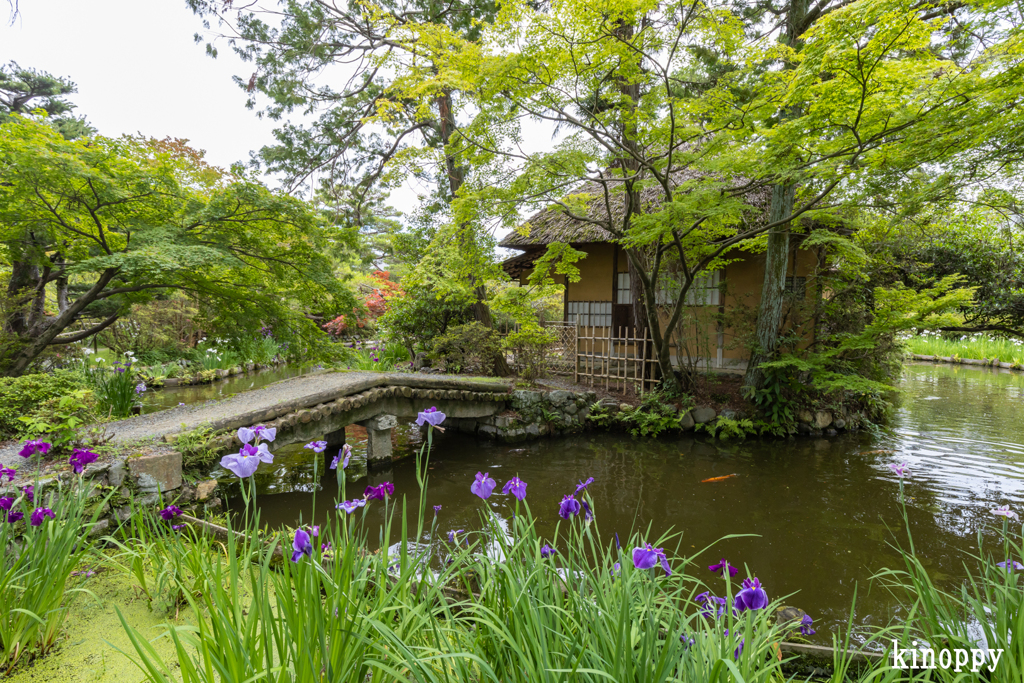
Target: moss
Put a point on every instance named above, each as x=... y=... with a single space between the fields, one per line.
x=92 y=635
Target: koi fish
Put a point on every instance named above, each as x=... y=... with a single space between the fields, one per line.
x=725 y=476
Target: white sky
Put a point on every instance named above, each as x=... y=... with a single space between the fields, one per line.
x=138 y=70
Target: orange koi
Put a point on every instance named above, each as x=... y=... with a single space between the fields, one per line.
x=726 y=476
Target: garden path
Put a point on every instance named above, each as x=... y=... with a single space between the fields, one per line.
x=281 y=397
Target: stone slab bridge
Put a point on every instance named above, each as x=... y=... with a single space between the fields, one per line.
x=320 y=406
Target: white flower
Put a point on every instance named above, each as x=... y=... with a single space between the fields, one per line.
x=87 y=351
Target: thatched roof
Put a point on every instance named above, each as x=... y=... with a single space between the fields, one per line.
x=554 y=225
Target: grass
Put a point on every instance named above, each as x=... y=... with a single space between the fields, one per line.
x=977 y=346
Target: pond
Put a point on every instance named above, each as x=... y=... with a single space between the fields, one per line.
x=823 y=511
x=169 y=397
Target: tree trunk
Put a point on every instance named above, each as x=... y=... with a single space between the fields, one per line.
x=456 y=176
x=769 y=316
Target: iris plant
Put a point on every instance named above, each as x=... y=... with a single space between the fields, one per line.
x=343 y=456
x=40 y=514
x=244 y=463
x=431 y=416
x=34 y=446
x=483 y=485
x=301 y=545
x=379 y=492
x=1005 y=511
x=515 y=486
x=751 y=597
x=80 y=458
x=350 y=506
x=647 y=556
x=569 y=507
x=1010 y=565
x=317 y=446
x=723 y=566
x=899 y=469
x=170 y=512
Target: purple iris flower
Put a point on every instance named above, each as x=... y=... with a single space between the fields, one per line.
x=899 y=469
x=15 y=516
x=350 y=506
x=33 y=446
x=721 y=568
x=431 y=416
x=29 y=492
x=437 y=508
x=39 y=514
x=1005 y=511
x=301 y=545
x=6 y=503
x=687 y=642
x=739 y=648
x=751 y=597
x=616 y=569
x=7 y=472
x=587 y=514
x=314 y=531
x=379 y=492
x=140 y=388
x=317 y=446
x=244 y=463
x=177 y=527
x=453 y=536
x=516 y=486
x=646 y=556
x=80 y=458
x=343 y=455
x=805 y=624
x=709 y=601
x=547 y=551
x=1010 y=565
x=170 y=512
x=483 y=485
x=569 y=507
x=584 y=484
x=265 y=433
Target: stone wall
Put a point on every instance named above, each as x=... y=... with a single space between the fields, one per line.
x=531 y=415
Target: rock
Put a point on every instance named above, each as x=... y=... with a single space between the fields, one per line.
x=703 y=414
x=831 y=432
x=222 y=373
x=467 y=425
x=686 y=422
x=560 y=397
x=625 y=407
x=822 y=419
x=609 y=404
x=805 y=416
x=732 y=414
x=803 y=427
x=99 y=527
x=571 y=409
x=214 y=504
x=205 y=489
x=172 y=382
x=533 y=429
x=161 y=470
x=839 y=423
x=420 y=361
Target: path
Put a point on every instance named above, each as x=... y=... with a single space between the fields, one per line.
x=262 y=405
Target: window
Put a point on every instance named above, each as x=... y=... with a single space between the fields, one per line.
x=797 y=287
x=590 y=313
x=705 y=290
x=623 y=293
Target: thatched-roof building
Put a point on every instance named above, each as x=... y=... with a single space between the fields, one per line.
x=721 y=305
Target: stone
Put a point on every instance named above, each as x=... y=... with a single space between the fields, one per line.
x=222 y=373
x=115 y=475
x=822 y=419
x=533 y=429
x=805 y=416
x=703 y=414
x=839 y=423
x=571 y=409
x=161 y=470
x=686 y=422
x=625 y=407
x=214 y=504
x=487 y=430
x=381 y=422
x=831 y=432
x=731 y=414
x=467 y=425
x=99 y=527
x=205 y=489
x=560 y=397
x=609 y=404
x=502 y=421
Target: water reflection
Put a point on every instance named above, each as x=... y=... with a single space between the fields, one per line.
x=823 y=512
x=169 y=397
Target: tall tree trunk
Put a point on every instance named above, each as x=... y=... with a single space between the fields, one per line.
x=456 y=176
x=769 y=316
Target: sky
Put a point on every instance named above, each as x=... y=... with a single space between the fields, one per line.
x=138 y=69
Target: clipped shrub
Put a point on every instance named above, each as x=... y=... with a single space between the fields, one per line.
x=23 y=395
x=468 y=348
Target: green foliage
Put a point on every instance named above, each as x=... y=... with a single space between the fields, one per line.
x=977 y=346
x=262 y=349
x=195 y=447
x=21 y=396
x=114 y=388
x=386 y=359
x=470 y=348
x=778 y=399
x=58 y=419
x=421 y=315
x=34 y=580
x=529 y=346
x=214 y=356
x=726 y=428
x=660 y=411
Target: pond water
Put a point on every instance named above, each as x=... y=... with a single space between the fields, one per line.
x=824 y=511
x=169 y=397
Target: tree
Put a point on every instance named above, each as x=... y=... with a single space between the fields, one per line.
x=25 y=90
x=366 y=134
x=677 y=155
x=127 y=219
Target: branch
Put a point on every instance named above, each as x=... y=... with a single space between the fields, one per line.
x=87 y=333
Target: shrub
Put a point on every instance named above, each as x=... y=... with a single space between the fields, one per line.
x=23 y=395
x=468 y=348
x=116 y=389
x=419 y=316
x=58 y=419
x=529 y=346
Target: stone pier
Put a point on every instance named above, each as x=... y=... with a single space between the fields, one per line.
x=378 y=432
